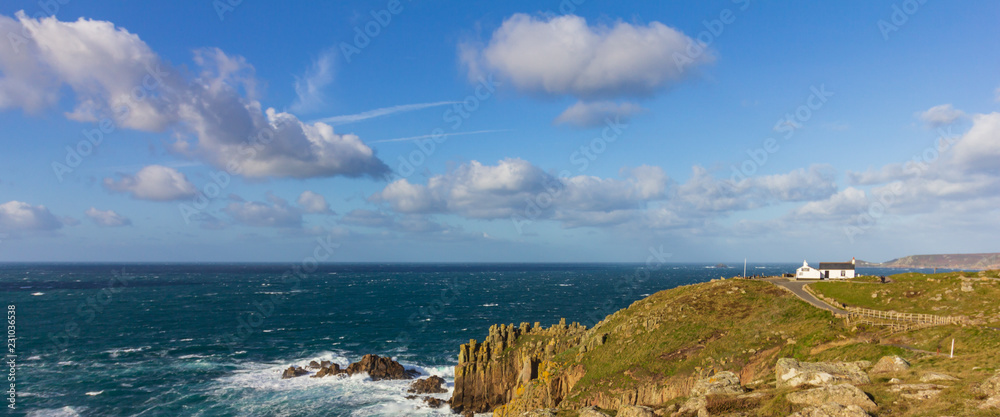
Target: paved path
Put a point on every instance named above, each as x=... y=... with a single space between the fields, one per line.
x=796 y=288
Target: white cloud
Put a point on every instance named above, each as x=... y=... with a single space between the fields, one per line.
x=564 y=56
x=979 y=149
x=942 y=115
x=214 y=115
x=276 y=213
x=309 y=88
x=594 y=114
x=16 y=216
x=643 y=196
x=313 y=203
x=107 y=218
x=847 y=202
x=704 y=192
x=385 y=111
x=155 y=183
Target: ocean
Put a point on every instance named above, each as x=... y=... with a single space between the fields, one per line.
x=212 y=340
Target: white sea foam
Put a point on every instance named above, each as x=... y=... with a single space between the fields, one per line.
x=117 y=352
x=55 y=412
x=259 y=387
x=37 y=293
x=95 y=393
x=489 y=305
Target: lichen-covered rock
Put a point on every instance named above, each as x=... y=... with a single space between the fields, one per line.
x=635 y=411
x=592 y=412
x=890 y=365
x=918 y=391
x=992 y=402
x=548 y=412
x=936 y=376
x=843 y=394
x=722 y=383
x=792 y=373
x=990 y=387
x=832 y=410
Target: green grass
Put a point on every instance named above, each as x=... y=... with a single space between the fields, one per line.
x=939 y=294
x=745 y=326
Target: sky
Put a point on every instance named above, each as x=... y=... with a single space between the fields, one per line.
x=517 y=131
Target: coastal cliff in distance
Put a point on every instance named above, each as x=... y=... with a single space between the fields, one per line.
x=971 y=261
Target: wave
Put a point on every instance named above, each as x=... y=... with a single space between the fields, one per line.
x=257 y=388
x=55 y=412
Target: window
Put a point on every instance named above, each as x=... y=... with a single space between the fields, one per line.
x=843 y=273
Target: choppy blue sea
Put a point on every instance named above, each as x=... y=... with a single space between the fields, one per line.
x=211 y=340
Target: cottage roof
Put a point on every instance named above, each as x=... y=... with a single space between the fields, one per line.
x=836 y=265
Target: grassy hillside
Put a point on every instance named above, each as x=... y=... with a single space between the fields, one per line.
x=733 y=325
x=940 y=294
x=652 y=350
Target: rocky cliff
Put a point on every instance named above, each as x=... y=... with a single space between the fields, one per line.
x=693 y=350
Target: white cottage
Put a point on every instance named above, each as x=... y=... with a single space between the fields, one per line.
x=827 y=270
x=807 y=272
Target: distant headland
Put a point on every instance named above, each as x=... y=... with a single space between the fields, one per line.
x=976 y=261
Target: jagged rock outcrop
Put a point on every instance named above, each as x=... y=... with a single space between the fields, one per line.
x=293 y=371
x=430 y=385
x=379 y=368
x=843 y=394
x=832 y=410
x=489 y=376
x=890 y=365
x=792 y=373
x=327 y=368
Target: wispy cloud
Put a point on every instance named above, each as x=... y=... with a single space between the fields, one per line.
x=411 y=138
x=385 y=111
x=309 y=88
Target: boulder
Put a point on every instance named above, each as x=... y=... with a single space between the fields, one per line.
x=546 y=412
x=328 y=369
x=591 y=412
x=379 y=368
x=832 y=410
x=918 y=391
x=990 y=387
x=293 y=371
x=890 y=365
x=992 y=402
x=722 y=383
x=635 y=411
x=431 y=385
x=936 y=376
x=792 y=373
x=843 y=394
x=435 y=402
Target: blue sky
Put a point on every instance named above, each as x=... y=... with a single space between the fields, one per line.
x=580 y=130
